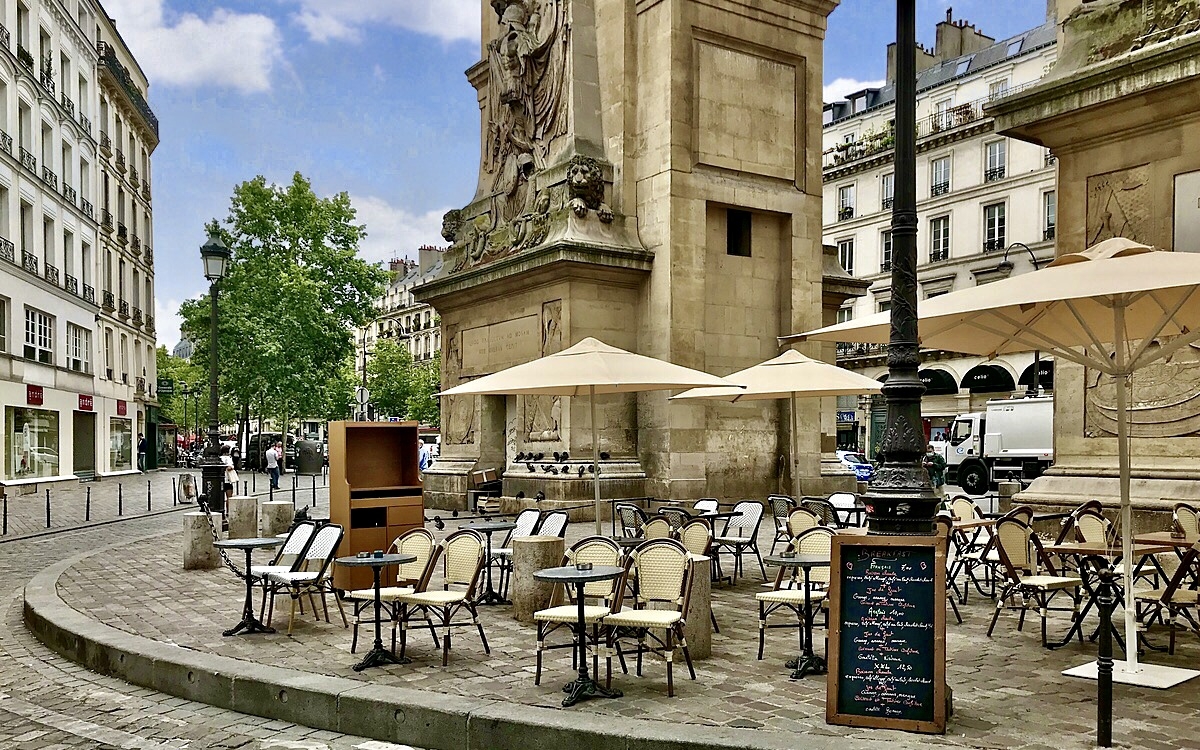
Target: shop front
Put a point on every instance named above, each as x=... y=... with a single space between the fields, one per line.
x=32 y=442
x=121 y=439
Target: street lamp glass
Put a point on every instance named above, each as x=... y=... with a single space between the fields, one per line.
x=216 y=258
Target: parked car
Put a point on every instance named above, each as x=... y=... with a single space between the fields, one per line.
x=864 y=471
x=258 y=445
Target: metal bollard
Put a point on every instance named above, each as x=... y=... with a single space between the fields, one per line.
x=148 y=496
x=253 y=481
x=314 y=488
x=47 y=508
x=1104 y=664
x=271 y=493
x=174 y=493
x=293 y=490
x=87 y=505
x=120 y=500
x=4 y=497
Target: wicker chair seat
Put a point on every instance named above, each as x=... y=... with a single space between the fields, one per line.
x=570 y=613
x=738 y=540
x=789 y=596
x=643 y=618
x=1179 y=596
x=290 y=577
x=1051 y=582
x=386 y=593
x=262 y=571
x=432 y=598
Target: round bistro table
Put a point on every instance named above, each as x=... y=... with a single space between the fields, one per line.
x=249 y=623
x=487 y=528
x=378 y=655
x=808 y=662
x=583 y=687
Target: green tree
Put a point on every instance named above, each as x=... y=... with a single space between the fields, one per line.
x=390 y=378
x=424 y=405
x=294 y=290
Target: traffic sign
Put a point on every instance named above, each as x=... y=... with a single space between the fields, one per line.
x=362 y=395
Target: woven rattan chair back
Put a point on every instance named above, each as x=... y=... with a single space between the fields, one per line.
x=696 y=537
x=706 y=505
x=1187 y=520
x=815 y=541
x=463 y=552
x=964 y=508
x=632 y=519
x=801 y=520
x=1012 y=540
x=526 y=523
x=677 y=517
x=322 y=547
x=843 y=500
x=295 y=543
x=417 y=542
x=1093 y=528
x=781 y=507
x=822 y=509
x=746 y=523
x=662 y=567
x=597 y=550
x=658 y=527
x=553 y=524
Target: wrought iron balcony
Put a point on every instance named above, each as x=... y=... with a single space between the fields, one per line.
x=939 y=254
x=105 y=143
x=5 y=37
x=123 y=309
x=85 y=122
x=89 y=293
x=46 y=78
x=1051 y=159
x=86 y=206
x=140 y=386
x=29 y=262
x=106 y=219
x=939 y=188
x=122 y=233
x=71 y=285
x=110 y=303
x=70 y=194
x=137 y=317
x=885 y=266
x=135 y=242
x=67 y=104
x=146 y=189
x=149 y=255
x=133 y=175
x=888 y=203
x=120 y=161
x=8 y=251
x=111 y=65
x=150 y=323
x=993 y=174
x=52 y=274
x=5 y=142
x=845 y=212
x=28 y=160
x=49 y=177
x=993 y=246
x=1048 y=233
x=24 y=57
x=846 y=350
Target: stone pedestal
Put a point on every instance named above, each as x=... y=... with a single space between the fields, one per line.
x=243 y=517
x=198 y=550
x=531 y=554
x=698 y=622
x=277 y=517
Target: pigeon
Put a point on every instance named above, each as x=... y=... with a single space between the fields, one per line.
x=592 y=468
x=582 y=469
x=520 y=456
x=539 y=457
x=565 y=468
x=540 y=496
x=565 y=456
x=547 y=468
x=556 y=456
x=530 y=467
x=520 y=494
x=603 y=455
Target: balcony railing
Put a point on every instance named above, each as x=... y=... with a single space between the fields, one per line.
x=71 y=284
x=24 y=57
x=70 y=194
x=5 y=37
x=149 y=255
x=47 y=79
x=133 y=176
x=146 y=189
x=140 y=386
x=150 y=323
x=120 y=161
x=89 y=293
x=85 y=122
x=105 y=143
x=939 y=188
x=28 y=160
x=29 y=262
x=86 y=206
x=860 y=350
x=122 y=233
x=8 y=250
x=67 y=104
x=993 y=246
x=885 y=266
x=110 y=303
x=52 y=274
x=49 y=177
x=1048 y=233
x=5 y=142
x=106 y=219
x=123 y=309
x=109 y=61
x=137 y=316
x=939 y=254
x=993 y=174
x=1051 y=159
x=887 y=204
x=135 y=243
x=845 y=212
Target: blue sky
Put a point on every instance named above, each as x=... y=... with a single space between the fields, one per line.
x=369 y=97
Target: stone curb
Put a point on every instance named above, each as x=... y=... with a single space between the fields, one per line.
x=423 y=719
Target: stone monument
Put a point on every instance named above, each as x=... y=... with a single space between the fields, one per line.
x=1118 y=111
x=649 y=175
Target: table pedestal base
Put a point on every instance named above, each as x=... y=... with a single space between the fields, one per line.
x=586 y=688
x=489 y=596
x=378 y=657
x=805 y=665
x=248 y=625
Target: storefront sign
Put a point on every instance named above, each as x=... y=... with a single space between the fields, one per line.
x=33 y=395
x=122 y=408
x=845 y=416
x=85 y=402
x=166 y=387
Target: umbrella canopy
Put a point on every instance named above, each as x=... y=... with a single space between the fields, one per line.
x=791 y=375
x=1105 y=308
x=588 y=368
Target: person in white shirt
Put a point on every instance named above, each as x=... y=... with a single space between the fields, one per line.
x=273 y=456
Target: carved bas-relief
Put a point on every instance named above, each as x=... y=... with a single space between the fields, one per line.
x=1118 y=205
x=1101 y=30
x=459 y=411
x=1164 y=399
x=542 y=414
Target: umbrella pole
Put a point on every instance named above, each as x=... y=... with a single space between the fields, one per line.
x=595 y=456
x=1131 y=662
x=795 y=452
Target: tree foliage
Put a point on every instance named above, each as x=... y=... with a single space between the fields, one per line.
x=390 y=378
x=424 y=405
x=294 y=290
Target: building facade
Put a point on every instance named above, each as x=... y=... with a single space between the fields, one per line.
x=986 y=210
x=77 y=361
x=412 y=324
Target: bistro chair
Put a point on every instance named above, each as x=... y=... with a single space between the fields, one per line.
x=1021 y=557
x=664 y=571
x=553 y=523
x=741 y=536
x=417 y=542
x=677 y=517
x=526 y=523
x=847 y=505
x=308 y=576
x=781 y=508
x=463 y=553
x=1092 y=527
x=632 y=519
x=706 y=505
x=975 y=553
x=822 y=509
x=293 y=547
x=788 y=590
x=564 y=611
x=1177 y=599
x=945 y=530
x=801 y=520
x=658 y=527
x=696 y=537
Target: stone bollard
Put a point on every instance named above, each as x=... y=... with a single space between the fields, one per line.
x=277 y=517
x=698 y=622
x=531 y=554
x=1007 y=490
x=198 y=550
x=243 y=517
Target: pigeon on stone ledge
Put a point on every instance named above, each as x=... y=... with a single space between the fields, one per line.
x=603 y=455
x=520 y=457
x=530 y=467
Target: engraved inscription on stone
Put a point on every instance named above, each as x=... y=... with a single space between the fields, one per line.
x=1118 y=205
x=490 y=348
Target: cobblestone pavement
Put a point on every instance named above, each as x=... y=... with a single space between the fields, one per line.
x=129 y=495
x=49 y=703
x=1008 y=691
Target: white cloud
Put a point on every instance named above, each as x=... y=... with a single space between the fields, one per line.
x=227 y=49
x=836 y=91
x=167 y=321
x=343 y=20
x=394 y=232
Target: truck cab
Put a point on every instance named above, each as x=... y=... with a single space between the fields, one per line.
x=1011 y=439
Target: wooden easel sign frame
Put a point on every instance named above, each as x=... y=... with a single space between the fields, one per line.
x=887 y=633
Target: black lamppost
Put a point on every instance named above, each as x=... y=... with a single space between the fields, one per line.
x=901 y=499
x=183 y=391
x=216 y=258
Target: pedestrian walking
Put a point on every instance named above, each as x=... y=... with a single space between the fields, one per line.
x=141 y=453
x=231 y=475
x=273 y=456
x=935 y=464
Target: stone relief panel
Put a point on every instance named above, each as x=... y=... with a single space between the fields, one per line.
x=458 y=411
x=1164 y=400
x=543 y=414
x=1118 y=205
x=1100 y=30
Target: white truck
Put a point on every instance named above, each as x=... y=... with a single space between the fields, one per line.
x=1012 y=439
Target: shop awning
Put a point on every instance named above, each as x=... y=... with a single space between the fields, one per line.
x=938 y=382
x=1045 y=375
x=988 y=378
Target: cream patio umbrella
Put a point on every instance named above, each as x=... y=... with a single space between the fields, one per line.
x=588 y=368
x=1115 y=308
x=791 y=375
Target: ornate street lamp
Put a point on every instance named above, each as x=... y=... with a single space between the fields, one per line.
x=901 y=499
x=215 y=255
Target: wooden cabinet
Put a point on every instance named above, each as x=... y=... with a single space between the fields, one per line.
x=374 y=491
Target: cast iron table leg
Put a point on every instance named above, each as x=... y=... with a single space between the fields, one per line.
x=808 y=663
x=378 y=656
x=490 y=595
x=584 y=687
x=249 y=623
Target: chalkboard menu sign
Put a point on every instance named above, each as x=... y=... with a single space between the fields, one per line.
x=887 y=645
